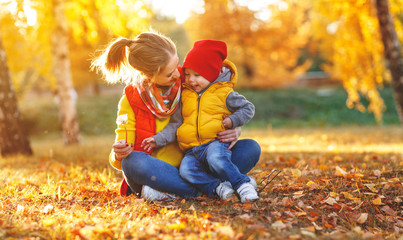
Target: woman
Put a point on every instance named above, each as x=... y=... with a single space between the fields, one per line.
x=148 y=65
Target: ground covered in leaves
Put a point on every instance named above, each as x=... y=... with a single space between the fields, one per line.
x=339 y=183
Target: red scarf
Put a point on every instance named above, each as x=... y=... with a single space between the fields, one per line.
x=145 y=125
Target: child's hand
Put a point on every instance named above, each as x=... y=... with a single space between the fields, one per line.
x=148 y=144
x=227 y=122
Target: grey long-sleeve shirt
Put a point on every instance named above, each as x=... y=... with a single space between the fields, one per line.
x=242 y=112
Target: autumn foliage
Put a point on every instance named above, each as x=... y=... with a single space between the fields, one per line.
x=272 y=42
x=266 y=52
x=342 y=183
x=350 y=40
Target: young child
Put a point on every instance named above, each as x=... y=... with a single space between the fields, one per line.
x=209 y=105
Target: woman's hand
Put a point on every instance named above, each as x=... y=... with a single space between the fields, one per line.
x=122 y=149
x=229 y=135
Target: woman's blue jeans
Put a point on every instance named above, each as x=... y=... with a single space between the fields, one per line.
x=143 y=169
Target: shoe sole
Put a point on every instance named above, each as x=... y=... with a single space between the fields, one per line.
x=227 y=196
x=250 y=200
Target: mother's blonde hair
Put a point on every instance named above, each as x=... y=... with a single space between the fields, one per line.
x=126 y=60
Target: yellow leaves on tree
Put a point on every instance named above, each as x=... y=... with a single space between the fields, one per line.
x=351 y=43
x=265 y=50
x=92 y=20
x=28 y=25
x=94 y=24
x=28 y=55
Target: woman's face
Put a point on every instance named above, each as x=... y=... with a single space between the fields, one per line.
x=169 y=74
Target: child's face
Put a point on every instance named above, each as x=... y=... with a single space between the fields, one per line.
x=196 y=81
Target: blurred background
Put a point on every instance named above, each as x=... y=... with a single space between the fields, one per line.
x=313 y=63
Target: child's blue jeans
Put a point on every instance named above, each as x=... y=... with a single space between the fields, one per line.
x=207 y=165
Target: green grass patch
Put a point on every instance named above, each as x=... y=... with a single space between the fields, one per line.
x=313 y=108
x=281 y=108
x=96 y=115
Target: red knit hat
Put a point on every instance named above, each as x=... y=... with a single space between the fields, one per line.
x=206 y=58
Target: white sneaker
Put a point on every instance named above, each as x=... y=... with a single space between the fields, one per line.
x=247 y=192
x=253 y=182
x=224 y=190
x=151 y=194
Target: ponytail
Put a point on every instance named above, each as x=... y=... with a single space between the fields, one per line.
x=125 y=60
x=112 y=63
x=116 y=56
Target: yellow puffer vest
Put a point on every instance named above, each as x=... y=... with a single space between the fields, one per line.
x=203 y=116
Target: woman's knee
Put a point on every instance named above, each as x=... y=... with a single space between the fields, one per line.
x=134 y=164
x=256 y=150
x=251 y=147
x=246 y=154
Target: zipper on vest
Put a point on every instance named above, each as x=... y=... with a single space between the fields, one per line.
x=197 y=118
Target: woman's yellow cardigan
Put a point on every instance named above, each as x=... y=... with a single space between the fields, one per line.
x=170 y=153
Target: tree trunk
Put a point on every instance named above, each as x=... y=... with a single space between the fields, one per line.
x=62 y=72
x=392 y=52
x=13 y=139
